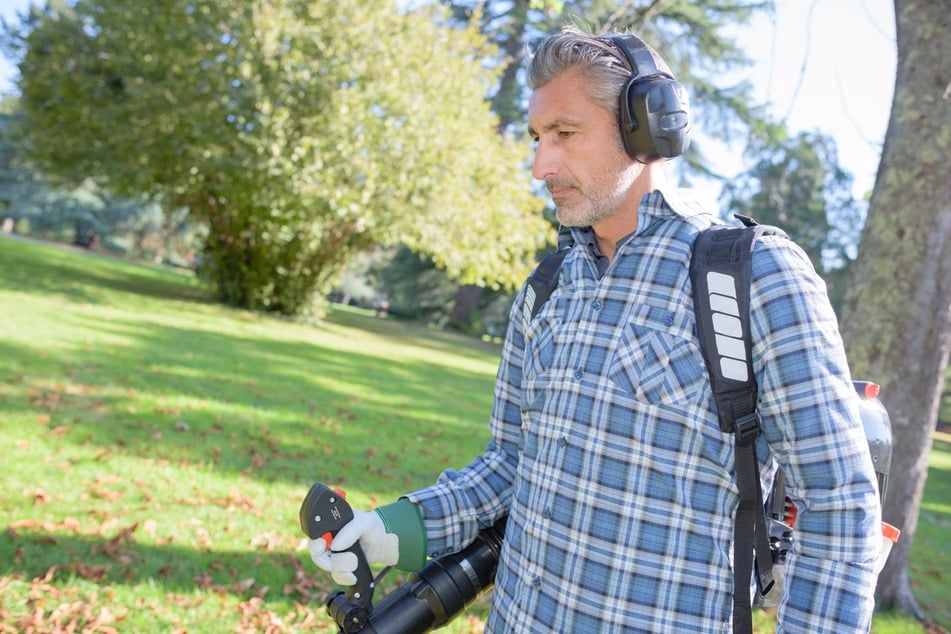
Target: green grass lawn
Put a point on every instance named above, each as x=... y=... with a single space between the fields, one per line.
x=930 y=561
x=158 y=445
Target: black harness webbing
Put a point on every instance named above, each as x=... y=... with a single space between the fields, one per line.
x=720 y=275
x=543 y=280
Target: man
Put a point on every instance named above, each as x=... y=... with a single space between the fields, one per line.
x=606 y=453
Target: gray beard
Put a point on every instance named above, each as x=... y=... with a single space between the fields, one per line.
x=592 y=215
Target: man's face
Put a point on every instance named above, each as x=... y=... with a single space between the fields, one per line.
x=579 y=153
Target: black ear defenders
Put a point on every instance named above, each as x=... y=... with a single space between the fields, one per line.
x=654 y=112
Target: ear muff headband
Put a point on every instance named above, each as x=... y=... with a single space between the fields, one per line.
x=654 y=111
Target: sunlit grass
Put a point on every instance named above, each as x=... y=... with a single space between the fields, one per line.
x=930 y=558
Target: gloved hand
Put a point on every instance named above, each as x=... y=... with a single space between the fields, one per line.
x=367 y=527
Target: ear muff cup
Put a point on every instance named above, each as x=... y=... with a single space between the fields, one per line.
x=654 y=118
x=653 y=108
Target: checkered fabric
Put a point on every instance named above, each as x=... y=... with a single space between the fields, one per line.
x=607 y=456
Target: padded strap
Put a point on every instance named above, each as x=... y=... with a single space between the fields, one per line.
x=542 y=281
x=720 y=275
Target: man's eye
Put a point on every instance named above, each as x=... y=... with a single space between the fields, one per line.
x=564 y=134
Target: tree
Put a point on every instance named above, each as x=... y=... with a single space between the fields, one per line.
x=415 y=287
x=20 y=188
x=298 y=133
x=505 y=24
x=798 y=185
x=897 y=323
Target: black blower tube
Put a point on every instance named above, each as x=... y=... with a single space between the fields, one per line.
x=435 y=594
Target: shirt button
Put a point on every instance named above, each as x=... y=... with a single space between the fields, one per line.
x=578 y=374
x=536 y=581
x=563 y=441
x=596 y=304
x=546 y=514
x=669 y=320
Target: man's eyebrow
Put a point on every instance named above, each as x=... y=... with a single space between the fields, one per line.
x=554 y=125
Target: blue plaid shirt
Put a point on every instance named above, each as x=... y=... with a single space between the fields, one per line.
x=607 y=456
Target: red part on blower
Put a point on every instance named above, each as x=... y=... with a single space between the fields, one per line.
x=791 y=512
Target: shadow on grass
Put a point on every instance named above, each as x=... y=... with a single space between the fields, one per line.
x=270 y=409
x=31 y=555
x=83 y=279
x=39 y=557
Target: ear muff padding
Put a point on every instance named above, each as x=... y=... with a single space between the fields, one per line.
x=653 y=108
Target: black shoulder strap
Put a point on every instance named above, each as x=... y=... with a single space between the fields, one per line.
x=720 y=275
x=544 y=279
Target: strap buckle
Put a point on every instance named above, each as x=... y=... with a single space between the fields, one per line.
x=747 y=428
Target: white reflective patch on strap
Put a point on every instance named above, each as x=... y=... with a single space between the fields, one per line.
x=724 y=304
x=722 y=284
x=733 y=369
x=731 y=347
x=727 y=326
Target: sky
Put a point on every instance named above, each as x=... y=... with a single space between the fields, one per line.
x=829 y=65
x=826 y=65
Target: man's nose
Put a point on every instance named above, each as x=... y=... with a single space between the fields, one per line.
x=545 y=164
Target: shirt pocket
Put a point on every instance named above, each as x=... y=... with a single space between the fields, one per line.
x=658 y=360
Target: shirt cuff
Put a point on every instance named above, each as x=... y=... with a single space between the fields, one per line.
x=404 y=519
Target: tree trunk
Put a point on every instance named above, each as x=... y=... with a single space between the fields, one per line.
x=464 y=306
x=897 y=319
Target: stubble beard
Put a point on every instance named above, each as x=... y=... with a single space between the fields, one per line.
x=600 y=199
x=585 y=213
x=589 y=207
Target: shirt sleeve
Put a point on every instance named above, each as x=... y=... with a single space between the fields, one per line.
x=463 y=502
x=812 y=427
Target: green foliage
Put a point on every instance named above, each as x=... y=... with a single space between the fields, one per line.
x=87 y=214
x=798 y=185
x=416 y=288
x=298 y=133
x=21 y=191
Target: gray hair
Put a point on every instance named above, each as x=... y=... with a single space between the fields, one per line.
x=605 y=67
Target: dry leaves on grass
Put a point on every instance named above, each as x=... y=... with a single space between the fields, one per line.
x=52 y=609
x=57 y=609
